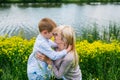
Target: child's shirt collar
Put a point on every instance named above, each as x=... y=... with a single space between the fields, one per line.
x=41 y=36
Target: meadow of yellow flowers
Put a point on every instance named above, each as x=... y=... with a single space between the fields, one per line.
x=98 y=60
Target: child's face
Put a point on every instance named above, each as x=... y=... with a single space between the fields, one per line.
x=49 y=35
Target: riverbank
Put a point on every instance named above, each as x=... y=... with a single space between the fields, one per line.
x=53 y=3
x=60 y=1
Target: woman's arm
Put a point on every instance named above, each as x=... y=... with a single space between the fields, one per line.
x=63 y=68
x=60 y=71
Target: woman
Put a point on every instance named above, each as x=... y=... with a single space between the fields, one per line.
x=67 y=67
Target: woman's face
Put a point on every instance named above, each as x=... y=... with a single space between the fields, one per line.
x=58 y=38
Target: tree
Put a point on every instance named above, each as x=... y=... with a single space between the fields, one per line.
x=3 y=1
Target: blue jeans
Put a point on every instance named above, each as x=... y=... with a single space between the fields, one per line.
x=35 y=76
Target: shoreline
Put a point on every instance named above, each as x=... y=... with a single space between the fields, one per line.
x=80 y=2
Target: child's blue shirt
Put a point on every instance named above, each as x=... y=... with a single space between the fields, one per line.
x=42 y=45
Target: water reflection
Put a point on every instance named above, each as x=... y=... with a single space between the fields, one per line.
x=24 y=18
x=8 y=5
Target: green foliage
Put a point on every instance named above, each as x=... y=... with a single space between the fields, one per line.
x=55 y=1
x=93 y=33
x=14 y=53
x=98 y=60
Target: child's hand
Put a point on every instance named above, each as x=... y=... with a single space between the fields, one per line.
x=43 y=57
x=40 y=56
x=69 y=48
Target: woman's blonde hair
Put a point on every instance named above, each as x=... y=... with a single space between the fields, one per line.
x=68 y=36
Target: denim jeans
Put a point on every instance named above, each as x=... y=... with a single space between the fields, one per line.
x=35 y=76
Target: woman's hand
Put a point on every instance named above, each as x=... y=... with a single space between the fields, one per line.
x=69 y=48
x=42 y=57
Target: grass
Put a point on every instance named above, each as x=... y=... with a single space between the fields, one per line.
x=107 y=34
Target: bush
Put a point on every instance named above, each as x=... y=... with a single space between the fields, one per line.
x=98 y=60
x=14 y=52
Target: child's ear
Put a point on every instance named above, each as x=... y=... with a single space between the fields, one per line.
x=45 y=31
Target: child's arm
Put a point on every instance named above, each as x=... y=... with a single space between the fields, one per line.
x=52 y=44
x=49 y=52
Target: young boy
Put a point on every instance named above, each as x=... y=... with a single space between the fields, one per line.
x=36 y=69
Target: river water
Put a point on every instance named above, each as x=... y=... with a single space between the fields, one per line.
x=18 y=19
